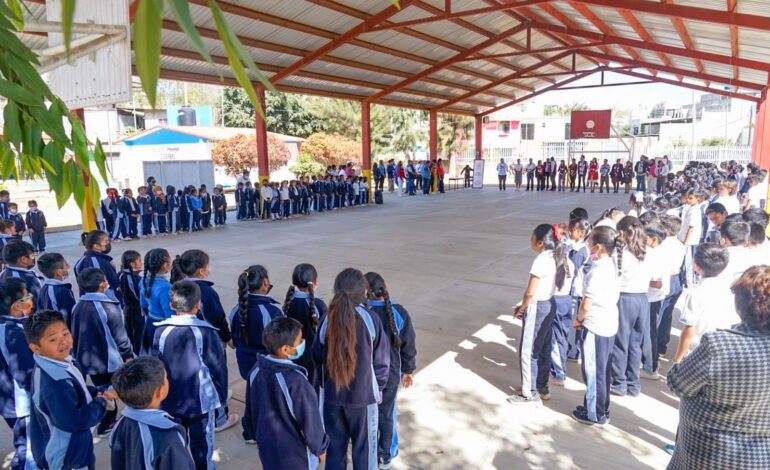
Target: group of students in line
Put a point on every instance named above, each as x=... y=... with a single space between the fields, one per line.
x=157 y=212
x=274 y=201
x=14 y=224
x=408 y=178
x=153 y=334
x=605 y=293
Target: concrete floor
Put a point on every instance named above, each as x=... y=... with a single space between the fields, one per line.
x=458 y=262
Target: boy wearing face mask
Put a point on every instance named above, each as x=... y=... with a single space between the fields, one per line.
x=36 y=226
x=13 y=215
x=16 y=365
x=19 y=258
x=55 y=294
x=285 y=414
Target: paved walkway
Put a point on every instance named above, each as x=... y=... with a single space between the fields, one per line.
x=458 y=262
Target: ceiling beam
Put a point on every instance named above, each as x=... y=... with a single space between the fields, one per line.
x=645 y=35
x=460 y=14
x=732 y=5
x=452 y=60
x=534 y=51
x=518 y=74
x=612 y=39
x=340 y=40
x=691 y=86
x=684 y=35
x=675 y=71
x=553 y=87
x=684 y=12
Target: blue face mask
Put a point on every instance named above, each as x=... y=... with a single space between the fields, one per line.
x=300 y=351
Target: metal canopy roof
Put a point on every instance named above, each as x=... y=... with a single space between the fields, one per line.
x=476 y=56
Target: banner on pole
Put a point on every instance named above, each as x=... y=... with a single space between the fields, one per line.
x=593 y=124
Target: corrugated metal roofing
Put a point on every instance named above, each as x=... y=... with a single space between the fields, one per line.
x=279 y=33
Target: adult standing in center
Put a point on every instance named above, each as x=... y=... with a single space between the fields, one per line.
x=502 y=174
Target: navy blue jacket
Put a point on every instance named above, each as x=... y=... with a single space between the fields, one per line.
x=219 y=201
x=205 y=203
x=372 y=364
x=262 y=309
x=149 y=440
x=63 y=414
x=108 y=207
x=57 y=295
x=100 y=341
x=172 y=202
x=240 y=197
x=403 y=359
x=128 y=206
x=212 y=310
x=92 y=259
x=299 y=309
x=145 y=204
x=18 y=220
x=33 y=281
x=285 y=415
x=16 y=366
x=195 y=363
x=36 y=221
x=129 y=291
x=159 y=206
x=5 y=238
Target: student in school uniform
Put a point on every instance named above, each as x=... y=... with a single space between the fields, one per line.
x=580 y=256
x=735 y=234
x=548 y=273
x=172 y=208
x=275 y=209
x=248 y=320
x=19 y=258
x=597 y=322
x=146 y=213
x=659 y=268
x=146 y=437
x=160 y=211
x=55 y=293
x=99 y=338
x=673 y=251
x=351 y=389
x=302 y=305
x=18 y=220
x=7 y=232
x=98 y=247
x=62 y=404
x=16 y=366
x=633 y=306
x=305 y=194
x=185 y=210
x=711 y=304
x=716 y=215
x=403 y=351
x=205 y=198
x=5 y=199
x=130 y=216
x=690 y=233
x=36 y=226
x=195 y=209
x=131 y=267
x=108 y=208
x=219 y=203
x=286 y=414
x=294 y=197
x=195 y=361
x=154 y=293
x=562 y=318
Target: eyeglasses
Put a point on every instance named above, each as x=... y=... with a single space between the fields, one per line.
x=24 y=299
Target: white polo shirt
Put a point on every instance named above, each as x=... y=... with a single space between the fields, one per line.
x=708 y=307
x=602 y=286
x=730 y=202
x=741 y=259
x=544 y=268
x=692 y=217
x=673 y=252
x=634 y=274
x=659 y=268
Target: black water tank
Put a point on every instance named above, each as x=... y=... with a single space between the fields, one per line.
x=186 y=116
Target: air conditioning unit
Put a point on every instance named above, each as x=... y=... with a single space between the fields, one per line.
x=485 y=120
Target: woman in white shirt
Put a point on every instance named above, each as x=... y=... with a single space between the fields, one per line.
x=633 y=306
x=548 y=274
x=597 y=321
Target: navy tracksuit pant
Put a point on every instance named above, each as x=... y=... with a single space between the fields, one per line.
x=627 y=352
x=200 y=430
x=346 y=425
x=562 y=325
x=650 y=344
x=387 y=442
x=666 y=313
x=535 y=351
x=20 y=442
x=135 y=330
x=596 y=361
x=146 y=224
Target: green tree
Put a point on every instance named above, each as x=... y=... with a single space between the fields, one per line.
x=306 y=166
x=284 y=113
x=341 y=117
x=453 y=131
x=563 y=110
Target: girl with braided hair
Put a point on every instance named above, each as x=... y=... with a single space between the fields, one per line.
x=634 y=307
x=352 y=352
x=398 y=325
x=154 y=292
x=548 y=273
x=302 y=305
x=248 y=320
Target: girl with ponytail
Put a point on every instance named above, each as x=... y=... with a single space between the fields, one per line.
x=548 y=273
x=302 y=305
x=154 y=292
x=352 y=355
x=634 y=307
x=596 y=324
x=403 y=351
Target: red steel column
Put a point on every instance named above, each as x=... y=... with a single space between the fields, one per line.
x=478 y=135
x=261 y=128
x=761 y=150
x=433 y=135
x=366 y=140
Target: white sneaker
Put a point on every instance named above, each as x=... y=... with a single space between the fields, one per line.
x=650 y=375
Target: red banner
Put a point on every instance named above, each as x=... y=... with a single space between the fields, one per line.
x=590 y=124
